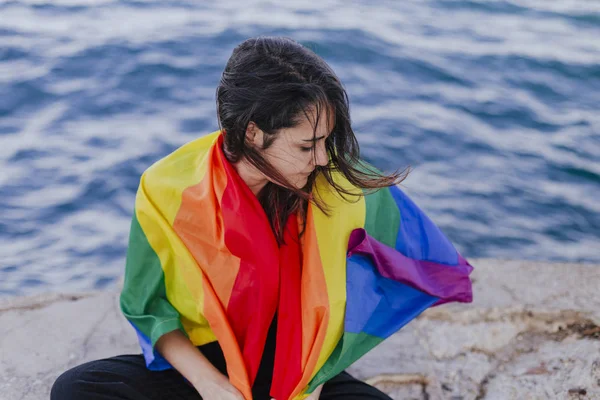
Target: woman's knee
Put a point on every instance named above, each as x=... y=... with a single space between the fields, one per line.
x=345 y=386
x=102 y=379
x=63 y=387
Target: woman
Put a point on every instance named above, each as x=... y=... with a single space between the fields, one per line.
x=240 y=241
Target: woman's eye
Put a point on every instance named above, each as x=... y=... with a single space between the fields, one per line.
x=306 y=149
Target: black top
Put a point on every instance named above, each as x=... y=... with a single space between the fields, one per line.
x=262 y=385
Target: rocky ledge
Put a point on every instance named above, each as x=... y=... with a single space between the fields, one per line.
x=532 y=332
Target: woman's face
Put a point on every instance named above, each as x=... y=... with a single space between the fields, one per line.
x=297 y=151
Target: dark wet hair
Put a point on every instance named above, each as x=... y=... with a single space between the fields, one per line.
x=275 y=82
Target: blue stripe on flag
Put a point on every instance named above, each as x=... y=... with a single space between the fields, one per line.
x=376 y=305
x=154 y=360
x=418 y=237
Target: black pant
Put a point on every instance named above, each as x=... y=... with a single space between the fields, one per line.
x=126 y=377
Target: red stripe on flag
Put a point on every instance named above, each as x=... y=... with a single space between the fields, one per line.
x=248 y=235
x=288 y=357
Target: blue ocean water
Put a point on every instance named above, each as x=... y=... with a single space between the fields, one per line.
x=494 y=104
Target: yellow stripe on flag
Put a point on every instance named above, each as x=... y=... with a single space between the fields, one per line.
x=162 y=185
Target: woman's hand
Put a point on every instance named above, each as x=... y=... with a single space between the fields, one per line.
x=186 y=358
x=218 y=387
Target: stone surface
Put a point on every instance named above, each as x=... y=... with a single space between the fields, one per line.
x=40 y=339
x=532 y=332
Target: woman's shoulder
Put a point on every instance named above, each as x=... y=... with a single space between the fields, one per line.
x=182 y=158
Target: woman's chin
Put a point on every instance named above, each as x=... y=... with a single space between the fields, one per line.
x=302 y=181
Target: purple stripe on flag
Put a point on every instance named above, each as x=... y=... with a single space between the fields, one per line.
x=447 y=282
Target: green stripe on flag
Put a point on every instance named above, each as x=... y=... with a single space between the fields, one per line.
x=143 y=298
x=350 y=348
x=383 y=217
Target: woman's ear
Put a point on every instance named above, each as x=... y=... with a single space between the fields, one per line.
x=254 y=135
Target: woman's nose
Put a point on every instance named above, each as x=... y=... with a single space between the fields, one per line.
x=321 y=156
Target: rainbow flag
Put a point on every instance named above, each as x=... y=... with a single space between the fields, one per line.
x=202 y=259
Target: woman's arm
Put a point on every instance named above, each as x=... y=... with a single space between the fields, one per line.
x=181 y=353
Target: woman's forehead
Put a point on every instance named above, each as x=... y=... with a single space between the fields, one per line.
x=324 y=127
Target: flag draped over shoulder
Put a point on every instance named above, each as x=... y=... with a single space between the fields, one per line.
x=202 y=259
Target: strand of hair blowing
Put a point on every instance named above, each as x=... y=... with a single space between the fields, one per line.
x=275 y=82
